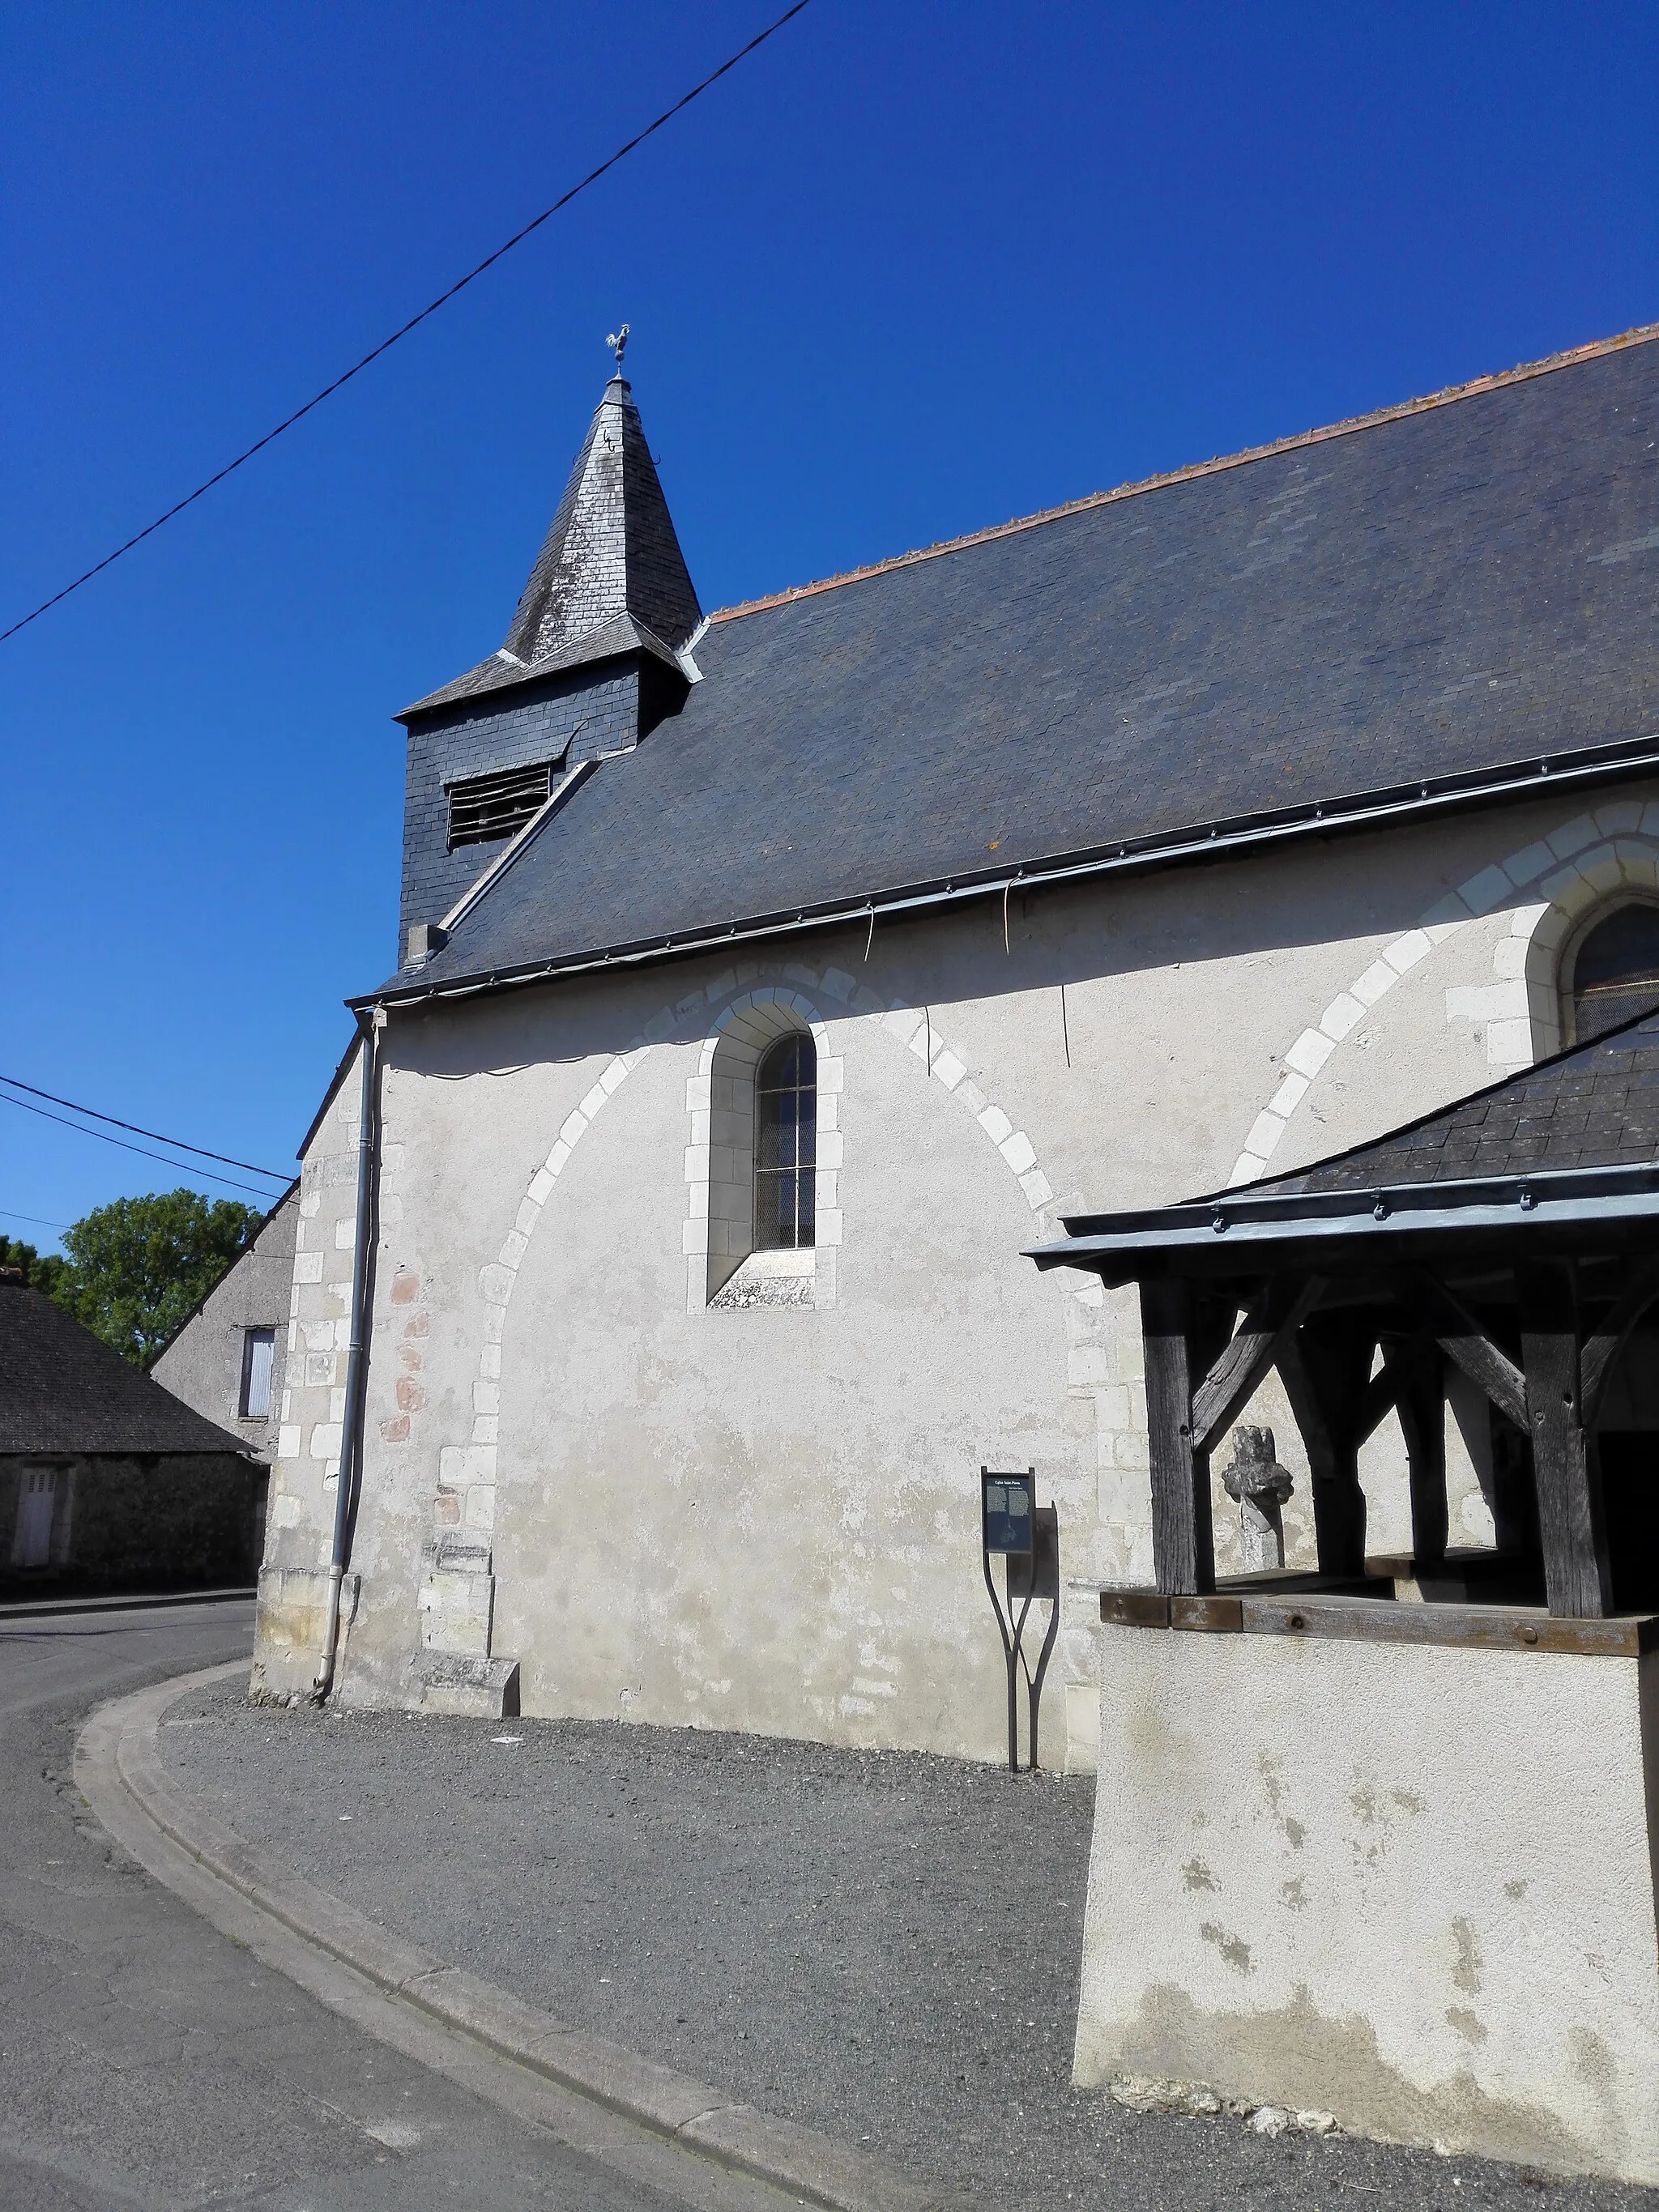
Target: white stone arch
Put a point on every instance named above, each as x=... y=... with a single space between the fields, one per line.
x=1624 y=871
x=1583 y=864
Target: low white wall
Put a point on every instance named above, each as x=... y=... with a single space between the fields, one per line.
x=1411 y=1886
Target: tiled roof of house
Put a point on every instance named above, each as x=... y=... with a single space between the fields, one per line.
x=1441 y=588
x=62 y=1390
x=1595 y=1106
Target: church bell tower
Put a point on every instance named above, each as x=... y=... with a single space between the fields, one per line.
x=594 y=660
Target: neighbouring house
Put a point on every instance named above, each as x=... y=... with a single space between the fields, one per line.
x=226 y=1358
x=769 y=981
x=106 y=1481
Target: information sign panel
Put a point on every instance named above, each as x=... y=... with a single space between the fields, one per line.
x=1009 y=1503
x=1026 y=1537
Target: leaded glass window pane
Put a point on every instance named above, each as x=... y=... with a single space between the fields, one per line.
x=786 y=1144
x=1616 y=973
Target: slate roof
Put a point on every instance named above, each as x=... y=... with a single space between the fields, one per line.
x=63 y=1390
x=1445 y=586
x=610 y=573
x=1594 y=1106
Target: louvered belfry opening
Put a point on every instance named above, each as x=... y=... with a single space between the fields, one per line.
x=482 y=808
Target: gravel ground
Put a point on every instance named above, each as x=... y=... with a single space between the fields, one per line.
x=884 y=1946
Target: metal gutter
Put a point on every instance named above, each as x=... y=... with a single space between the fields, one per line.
x=1426 y=797
x=1563 y=1197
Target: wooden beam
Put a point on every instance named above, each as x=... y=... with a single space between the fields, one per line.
x=1577 y=1581
x=1611 y=1334
x=1183 y=1546
x=1467 y=1345
x=1420 y=1394
x=1324 y=1367
x=1231 y=1383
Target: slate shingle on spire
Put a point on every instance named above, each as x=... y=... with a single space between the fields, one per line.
x=611 y=550
x=610 y=577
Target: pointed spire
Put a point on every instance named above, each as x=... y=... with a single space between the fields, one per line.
x=611 y=550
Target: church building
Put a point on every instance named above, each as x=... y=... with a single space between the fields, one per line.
x=771 y=981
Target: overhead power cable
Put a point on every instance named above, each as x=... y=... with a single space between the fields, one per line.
x=414 y=321
x=7 y=1213
x=206 y=1174
x=276 y=1175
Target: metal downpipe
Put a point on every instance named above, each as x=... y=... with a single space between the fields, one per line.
x=351 y=1439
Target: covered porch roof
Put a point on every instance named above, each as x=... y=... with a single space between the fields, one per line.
x=1514 y=1234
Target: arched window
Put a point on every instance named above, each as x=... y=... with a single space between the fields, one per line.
x=786 y=1144
x=1616 y=971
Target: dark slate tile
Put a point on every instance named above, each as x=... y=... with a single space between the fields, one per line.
x=1086 y=680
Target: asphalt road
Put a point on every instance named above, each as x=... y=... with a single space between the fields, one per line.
x=147 y=2061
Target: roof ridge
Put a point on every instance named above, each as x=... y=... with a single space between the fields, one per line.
x=1641 y=334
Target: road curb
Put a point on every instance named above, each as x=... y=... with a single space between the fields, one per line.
x=135 y=1602
x=116 y=1750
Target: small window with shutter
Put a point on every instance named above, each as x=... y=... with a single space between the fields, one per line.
x=258 y=1355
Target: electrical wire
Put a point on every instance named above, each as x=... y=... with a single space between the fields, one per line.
x=276 y=1175
x=414 y=321
x=206 y=1174
x=39 y=1220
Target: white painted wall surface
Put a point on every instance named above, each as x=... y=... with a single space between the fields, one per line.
x=766 y=1519
x=1412 y=1886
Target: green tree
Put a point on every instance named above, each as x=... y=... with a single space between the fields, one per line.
x=41 y=1270
x=139 y=1265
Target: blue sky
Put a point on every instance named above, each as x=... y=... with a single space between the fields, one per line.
x=911 y=271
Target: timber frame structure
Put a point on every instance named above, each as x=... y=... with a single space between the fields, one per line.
x=1529 y=1274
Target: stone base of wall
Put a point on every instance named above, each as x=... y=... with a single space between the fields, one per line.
x=290 y=1627
x=1410 y=1884
x=484 y=1689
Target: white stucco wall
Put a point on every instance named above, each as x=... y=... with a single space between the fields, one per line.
x=1355 y=1877
x=766 y=1519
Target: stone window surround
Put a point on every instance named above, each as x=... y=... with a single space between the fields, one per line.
x=1567 y=961
x=720 y=1159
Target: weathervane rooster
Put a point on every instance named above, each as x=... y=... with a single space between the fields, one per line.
x=618 y=342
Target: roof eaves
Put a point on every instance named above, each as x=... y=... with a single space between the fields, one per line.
x=1242 y=1223
x=630 y=635
x=1203 y=842
x=1645 y=334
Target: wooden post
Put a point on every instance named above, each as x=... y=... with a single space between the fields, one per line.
x=1571 y=1525
x=1420 y=1401
x=1183 y=1547
x=1325 y=1367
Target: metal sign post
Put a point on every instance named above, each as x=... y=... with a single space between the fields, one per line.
x=1027 y=1536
